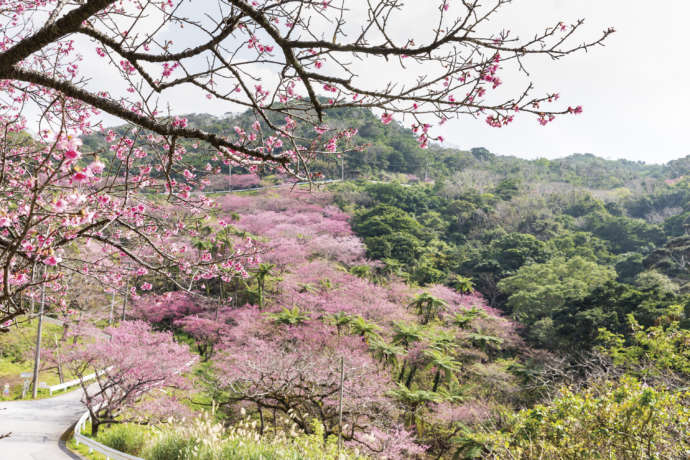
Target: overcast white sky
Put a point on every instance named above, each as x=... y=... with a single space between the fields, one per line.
x=635 y=91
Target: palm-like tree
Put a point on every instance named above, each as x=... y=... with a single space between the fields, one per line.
x=263 y=271
x=443 y=363
x=453 y=392
x=463 y=284
x=428 y=306
x=392 y=267
x=339 y=320
x=362 y=327
x=202 y=241
x=385 y=352
x=464 y=319
x=443 y=341
x=484 y=341
x=406 y=334
x=413 y=399
x=362 y=271
x=290 y=317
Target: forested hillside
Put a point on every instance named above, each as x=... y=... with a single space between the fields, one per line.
x=612 y=237
x=478 y=306
x=389 y=150
x=490 y=307
x=561 y=259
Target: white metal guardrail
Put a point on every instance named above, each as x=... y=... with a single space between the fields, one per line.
x=253 y=189
x=71 y=383
x=109 y=452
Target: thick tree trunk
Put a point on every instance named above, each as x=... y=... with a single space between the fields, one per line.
x=410 y=376
x=261 y=419
x=437 y=379
x=402 y=371
x=95 y=425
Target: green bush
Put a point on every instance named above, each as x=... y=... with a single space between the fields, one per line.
x=623 y=419
x=172 y=446
x=126 y=438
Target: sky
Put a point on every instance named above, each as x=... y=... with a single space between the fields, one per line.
x=635 y=90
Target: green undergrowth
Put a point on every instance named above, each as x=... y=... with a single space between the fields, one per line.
x=83 y=451
x=204 y=439
x=17 y=356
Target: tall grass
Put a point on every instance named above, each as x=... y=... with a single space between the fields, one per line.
x=127 y=438
x=204 y=439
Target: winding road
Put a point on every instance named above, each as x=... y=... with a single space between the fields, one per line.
x=37 y=426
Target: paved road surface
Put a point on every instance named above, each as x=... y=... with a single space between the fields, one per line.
x=36 y=427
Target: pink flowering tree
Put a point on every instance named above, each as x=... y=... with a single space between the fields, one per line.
x=131 y=361
x=292 y=368
x=58 y=197
x=163 y=310
x=207 y=332
x=204 y=321
x=64 y=214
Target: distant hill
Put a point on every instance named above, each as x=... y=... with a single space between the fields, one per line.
x=393 y=149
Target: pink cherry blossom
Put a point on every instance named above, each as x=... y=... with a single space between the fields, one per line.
x=52 y=260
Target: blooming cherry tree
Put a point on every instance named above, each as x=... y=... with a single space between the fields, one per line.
x=58 y=196
x=130 y=361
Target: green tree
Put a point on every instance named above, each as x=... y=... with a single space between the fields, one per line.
x=340 y=320
x=363 y=328
x=660 y=351
x=263 y=271
x=538 y=291
x=443 y=365
x=462 y=284
x=507 y=189
x=406 y=334
x=414 y=400
x=428 y=306
x=623 y=419
x=608 y=306
x=289 y=316
x=464 y=319
x=485 y=342
x=651 y=280
x=385 y=352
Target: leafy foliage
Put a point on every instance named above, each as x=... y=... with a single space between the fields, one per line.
x=625 y=419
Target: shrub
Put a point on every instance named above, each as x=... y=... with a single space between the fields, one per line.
x=623 y=419
x=128 y=438
x=203 y=439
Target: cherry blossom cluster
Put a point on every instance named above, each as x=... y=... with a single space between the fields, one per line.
x=454 y=72
x=285 y=355
x=65 y=209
